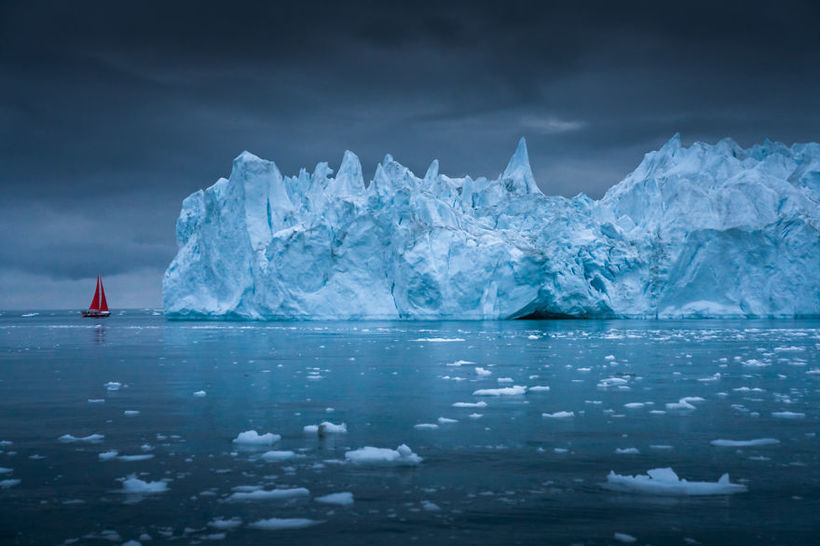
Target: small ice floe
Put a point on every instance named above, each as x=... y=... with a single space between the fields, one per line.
x=609 y=357
x=482 y=371
x=96 y=400
x=660 y=446
x=461 y=363
x=538 y=388
x=476 y=415
x=6 y=470
x=479 y=404
x=251 y=437
x=223 y=524
x=91 y=438
x=609 y=382
x=627 y=451
x=634 y=405
x=438 y=339
x=276 y=524
x=113 y=386
x=684 y=404
x=200 y=394
x=752 y=363
x=813 y=371
x=425 y=426
x=135 y=458
x=532 y=336
x=664 y=481
x=131 y=413
x=324 y=428
x=132 y=485
x=6 y=484
x=788 y=414
x=505 y=380
x=401 y=456
x=108 y=455
x=625 y=538
x=559 y=415
x=429 y=506
x=339 y=499
x=745 y=443
x=446 y=420
x=268 y=494
x=277 y=456
x=516 y=390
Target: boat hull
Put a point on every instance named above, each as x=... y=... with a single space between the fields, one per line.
x=96 y=314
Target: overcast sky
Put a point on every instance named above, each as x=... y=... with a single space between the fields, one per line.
x=112 y=112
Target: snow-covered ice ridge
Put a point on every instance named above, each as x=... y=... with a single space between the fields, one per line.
x=704 y=231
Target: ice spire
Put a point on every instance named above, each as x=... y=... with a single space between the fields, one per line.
x=519 y=170
x=348 y=181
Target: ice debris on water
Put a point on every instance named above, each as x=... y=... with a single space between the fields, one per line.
x=268 y=494
x=251 y=437
x=200 y=394
x=276 y=524
x=516 y=390
x=401 y=456
x=664 y=481
x=135 y=486
x=324 y=428
x=340 y=499
x=745 y=443
x=91 y=438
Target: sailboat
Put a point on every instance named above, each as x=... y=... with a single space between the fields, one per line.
x=98 y=307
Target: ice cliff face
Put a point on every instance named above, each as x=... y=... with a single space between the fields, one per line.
x=699 y=231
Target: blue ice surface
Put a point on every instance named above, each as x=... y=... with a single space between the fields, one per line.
x=511 y=475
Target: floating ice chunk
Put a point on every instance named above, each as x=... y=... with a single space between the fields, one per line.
x=538 y=388
x=276 y=524
x=611 y=382
x=625 y=538
x=430 y=506
x=479 y=404
x=745 y=443
x=268 y=494
x=446 y=420
x=505 y=379
x=135 y=458
x=108 y=455
x=482 y=371
x=401 y=456
x=516 y=390
x=660 y=446
x=91 y=438
x=426 y=426
x=438 y=339
x=326 y=427
x=531 y=336
x=131 y=413
x=709 y=379
x=340 y=499
x=627 y=451
x=476 y=415
x=135 y=486
x=251 y=437
x=461 y=363
x=5 y=484
x=96 y=400
x=223 y=524
x=6 y=470
x=680 y=405
x=113 y=386
x=755 y=364
x=788 y=414
x=609 y=357
x=634 y=405
x=200 y=394
x=664 y=481
x=277 y=456
x=559 y=415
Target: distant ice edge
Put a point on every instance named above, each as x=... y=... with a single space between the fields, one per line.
x=705 y=231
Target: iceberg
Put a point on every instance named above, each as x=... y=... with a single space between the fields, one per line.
x=709 y=230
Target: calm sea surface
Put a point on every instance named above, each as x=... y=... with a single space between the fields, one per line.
x=498 y=474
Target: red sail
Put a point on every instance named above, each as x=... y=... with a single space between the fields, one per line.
x=103 y=303
x=95 y=303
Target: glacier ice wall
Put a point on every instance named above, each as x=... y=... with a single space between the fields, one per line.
x=704 y=231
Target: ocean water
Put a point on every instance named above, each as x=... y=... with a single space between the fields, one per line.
x=506 y=475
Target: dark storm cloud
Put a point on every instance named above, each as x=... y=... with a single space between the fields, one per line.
x=111 y=113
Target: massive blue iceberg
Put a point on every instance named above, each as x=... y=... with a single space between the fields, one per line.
x=704 y=231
